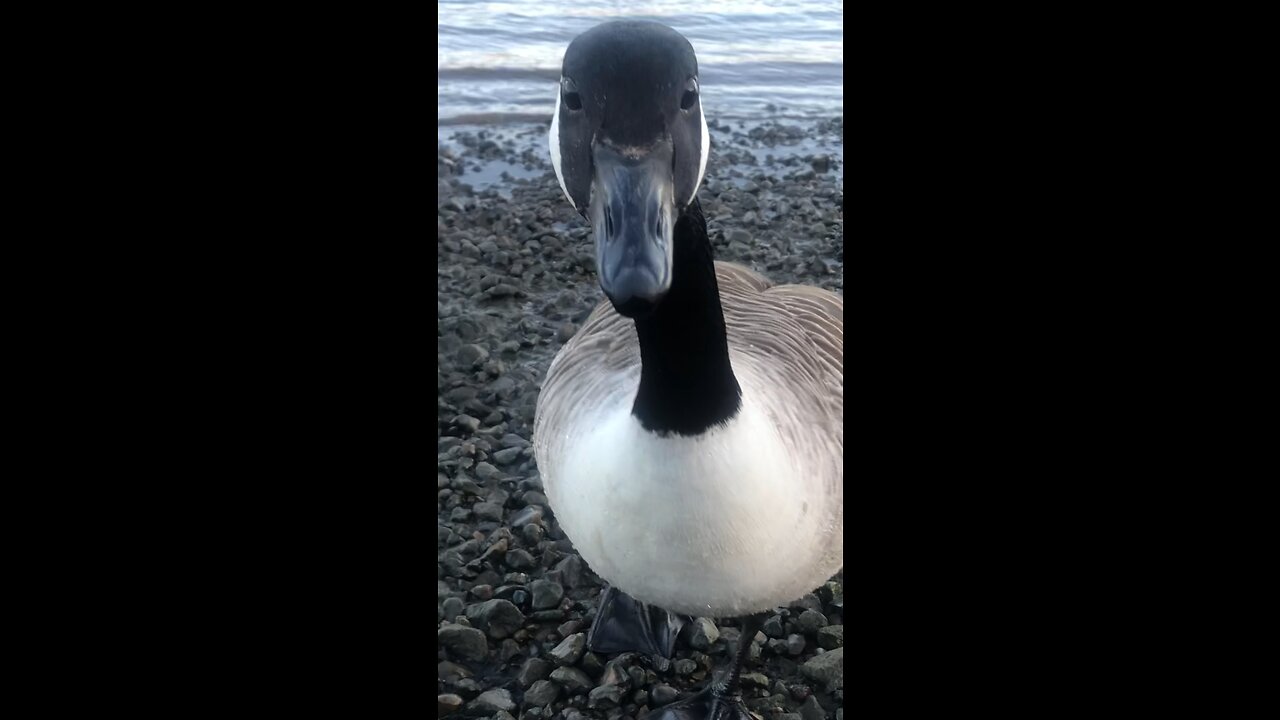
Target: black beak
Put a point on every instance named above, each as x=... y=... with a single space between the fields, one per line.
x=632 y=214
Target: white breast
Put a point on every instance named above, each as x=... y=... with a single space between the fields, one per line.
x=722 y=524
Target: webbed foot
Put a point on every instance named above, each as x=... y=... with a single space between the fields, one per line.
x=624 y=624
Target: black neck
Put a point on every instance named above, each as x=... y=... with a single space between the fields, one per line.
x=686 y=383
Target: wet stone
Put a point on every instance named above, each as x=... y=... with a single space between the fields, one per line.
x=573 y=679
x=605 y=696
x=795 y=644
x=534 y=669
x=773 y=627
x=570 y=650
x=827 y=668
x=546 y=594
x=543 y=692
x=810 y=621
x=663 y=695
x=831 y=637
x=811 y=710
x=499 y=618
x=520 y=560
x=492 y=701
x=703 y=633
x=447 y=703
x=466 y=642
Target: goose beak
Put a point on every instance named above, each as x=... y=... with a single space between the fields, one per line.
x=632 y=214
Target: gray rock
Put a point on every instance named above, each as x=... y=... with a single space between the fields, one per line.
x=684 y=666
x=756 y=679
x=663 y=694
x=605 y=696
x=452 y=608
x=533 y=670
x=570 y=570
x=617 y=670
x=485 y=471
x=447 y=703
x=572 y=678
x=546 y=594
x=543 y=692
x=520 y=560
x=499 y=618
x=507 y=456
x=703 y=633
x=592 y=664
x=810 y=620
x=466 y=422
x=466 y=642
x=795 y=644
x=470 y=356
x=566 y=332
x=487 y=511
x=450 y=673
x=811 y=710
x=827 y=668
x=739 y=235
x=531 y=514
x=831 y=637
x=570 y=650
x=773 y=627
x=492 y=701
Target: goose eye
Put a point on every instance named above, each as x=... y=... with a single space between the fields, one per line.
x=571 y=96
x=690 y=95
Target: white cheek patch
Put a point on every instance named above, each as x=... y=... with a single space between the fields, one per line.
x=553 y=139
x=706 y=150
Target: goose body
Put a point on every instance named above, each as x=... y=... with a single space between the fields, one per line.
x=690 y=436
x=741 y=518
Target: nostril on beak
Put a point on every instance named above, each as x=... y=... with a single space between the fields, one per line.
x=608 y=222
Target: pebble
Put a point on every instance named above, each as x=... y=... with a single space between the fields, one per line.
x=573 y=679
x=795 y=645
x=546 y=594
x=534 y=669
x=499 y=618
x=703 y=633
x=507 y=456
x=570 y=650
x=543 y=692
x=466 y=642
x=663 y=694
x=605 y=696
x=684 y=666
x=492 y=701
x=810 y=621
x=520 y=560
x=831 y=637
x=811 y=710
x=827 y=668
x=773 y=627
x=447 y=703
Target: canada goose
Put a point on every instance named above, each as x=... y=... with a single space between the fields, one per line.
x=690 y=436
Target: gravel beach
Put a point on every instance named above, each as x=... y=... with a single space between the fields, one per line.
x=516 y=272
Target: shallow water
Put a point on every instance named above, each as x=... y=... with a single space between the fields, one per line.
x=500 y=61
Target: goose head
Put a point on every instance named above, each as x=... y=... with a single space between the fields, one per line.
x=629 y=145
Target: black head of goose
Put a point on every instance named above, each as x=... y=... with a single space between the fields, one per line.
x=690 y=436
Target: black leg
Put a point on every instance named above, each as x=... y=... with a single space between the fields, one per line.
x=624 y=624
x=721 y=699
